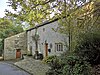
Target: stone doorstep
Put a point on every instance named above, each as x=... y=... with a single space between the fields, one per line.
x=1 y=58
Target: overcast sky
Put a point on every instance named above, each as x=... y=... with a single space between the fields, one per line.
x=3 y=6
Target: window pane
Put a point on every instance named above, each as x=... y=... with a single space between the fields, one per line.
x=59 y=47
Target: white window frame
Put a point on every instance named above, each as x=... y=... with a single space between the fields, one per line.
x=58 y=46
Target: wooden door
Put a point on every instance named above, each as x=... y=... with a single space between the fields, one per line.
x=18 y=53
x=46 y=49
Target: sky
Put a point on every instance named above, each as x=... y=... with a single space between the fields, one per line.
x=3 y=6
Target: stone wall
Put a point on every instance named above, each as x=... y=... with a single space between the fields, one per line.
x=12 y=43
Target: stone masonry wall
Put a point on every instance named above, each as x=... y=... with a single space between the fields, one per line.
x=12 y=43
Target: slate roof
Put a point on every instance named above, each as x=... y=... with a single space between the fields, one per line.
x=43 y=24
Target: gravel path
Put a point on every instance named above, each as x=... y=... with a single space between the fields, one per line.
x=35 y=67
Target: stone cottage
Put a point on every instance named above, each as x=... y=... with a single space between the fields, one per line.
x=43 y=38
x=46 y=39
x=15 y=46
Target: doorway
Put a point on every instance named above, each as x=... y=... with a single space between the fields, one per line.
x=46 y=49
x=18 y=53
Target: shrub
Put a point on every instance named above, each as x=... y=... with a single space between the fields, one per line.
x=79 y=62
x=89 y=47
x=55 y=67
x=70 y=65
x=49 y=59
x=76 y=66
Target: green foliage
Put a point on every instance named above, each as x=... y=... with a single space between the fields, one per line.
x=49 y=59
x=88 y=47
x=76 y=66
x=37 y=11
x=7 y=29
x=56 y=67
x=76 y=22
x=69 y=65
x=1 y=45
x=80 y=61
x=4 y=24
x=12 y=30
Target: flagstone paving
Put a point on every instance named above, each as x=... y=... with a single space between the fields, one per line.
x=35 y=67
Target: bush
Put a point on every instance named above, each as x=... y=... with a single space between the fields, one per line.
x=89 y=47
x=76 y=66
x=79 y=62
x=49 y=59
x=70 y=65
x=55 y=67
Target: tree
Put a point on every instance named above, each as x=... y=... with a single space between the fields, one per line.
x=88 y=47
x=80 y=20
x=36 y=11
x=68 y=11
x=7 y=29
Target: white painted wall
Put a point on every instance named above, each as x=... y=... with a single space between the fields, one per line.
x=48 y=35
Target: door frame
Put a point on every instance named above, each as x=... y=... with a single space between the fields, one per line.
x=18 y=53
x=46 y=49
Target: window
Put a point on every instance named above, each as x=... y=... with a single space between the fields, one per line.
x=59 y=46
x=30 y=48
x=43 y=29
